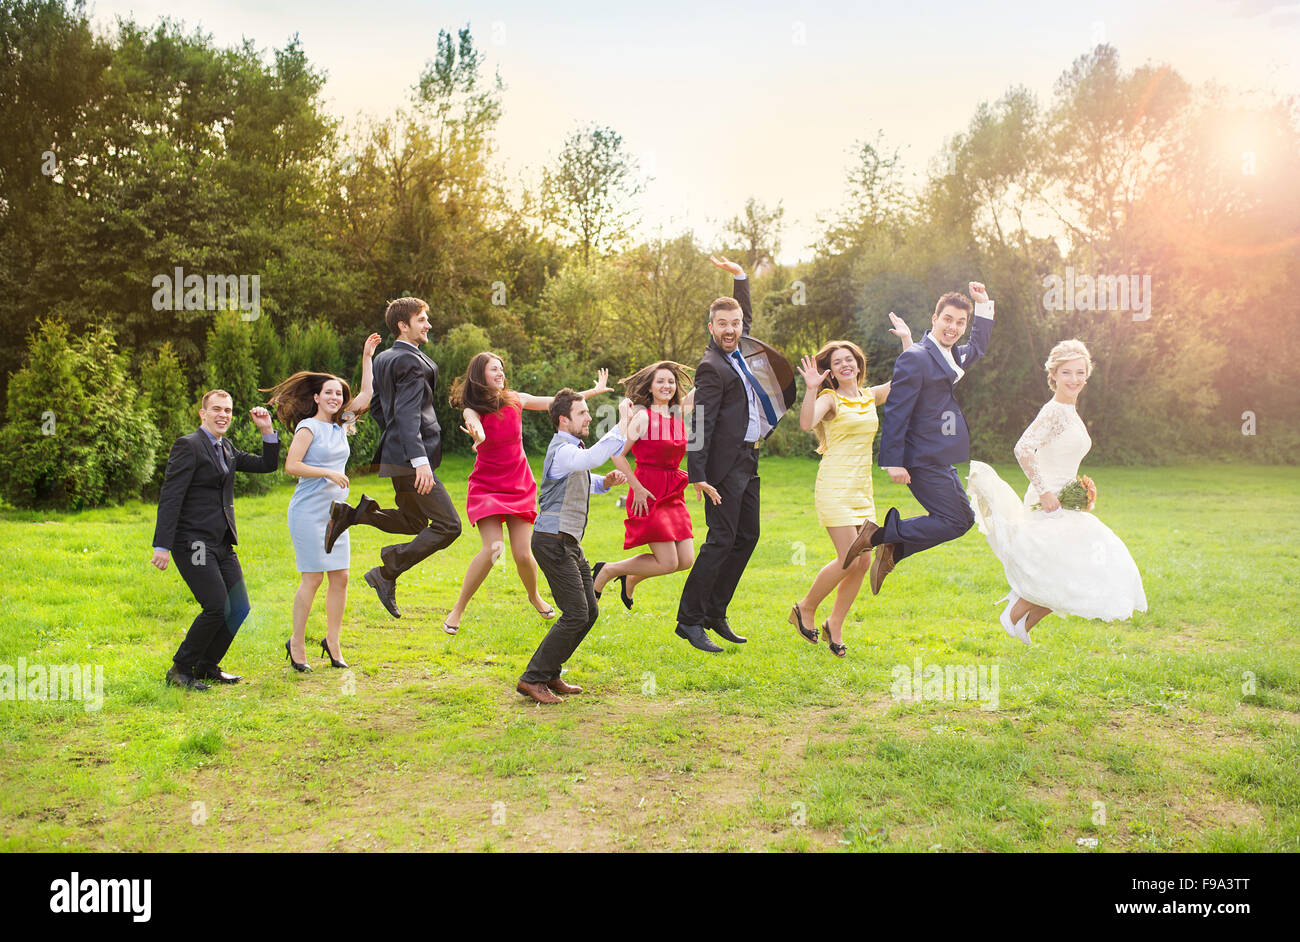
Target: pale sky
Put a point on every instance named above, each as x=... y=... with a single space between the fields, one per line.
x=722 y=101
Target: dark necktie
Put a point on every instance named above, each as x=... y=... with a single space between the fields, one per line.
x=758 y=390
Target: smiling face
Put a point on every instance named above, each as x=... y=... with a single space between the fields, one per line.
x=947 y=326
x=494 y=373
x=844 y=367
x=217 y=414
x=330 y=398
x=1070 y=378
x=416 y=331
x=663 y=387
x=725 y=326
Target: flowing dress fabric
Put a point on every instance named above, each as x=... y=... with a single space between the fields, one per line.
x=309 y=507
x=1068 y=561
x=843 y=495
x=658 y=457
x=501 y=482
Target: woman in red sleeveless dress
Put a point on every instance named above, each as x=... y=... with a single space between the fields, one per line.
x=656 y=509
x=502 y=492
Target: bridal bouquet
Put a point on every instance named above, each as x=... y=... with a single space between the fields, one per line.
x=1079 y=494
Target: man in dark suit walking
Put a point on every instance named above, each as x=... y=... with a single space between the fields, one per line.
x=410 y=448
x=923 y=434
x=196 y=523
x=742 y=388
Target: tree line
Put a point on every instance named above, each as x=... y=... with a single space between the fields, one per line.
x=150 y=155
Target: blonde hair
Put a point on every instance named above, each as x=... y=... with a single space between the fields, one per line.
x=1063 y=352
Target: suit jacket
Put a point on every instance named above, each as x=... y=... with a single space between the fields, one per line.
x=922 y=422
x=405 y=379
x=721 y=413
x=197 y=501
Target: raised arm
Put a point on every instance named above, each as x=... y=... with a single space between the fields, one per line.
x=361 y=401
x=739 y=289
x=981 y=327
x=269 y=459
x=815 y=405
x=539 y=403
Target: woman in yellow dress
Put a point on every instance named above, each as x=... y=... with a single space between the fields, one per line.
x=843 y=416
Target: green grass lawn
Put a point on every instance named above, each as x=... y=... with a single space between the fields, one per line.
x=1143 y=736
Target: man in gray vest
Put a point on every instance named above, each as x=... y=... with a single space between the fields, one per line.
x=567 y=486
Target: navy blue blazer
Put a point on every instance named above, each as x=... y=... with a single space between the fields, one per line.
x=922 y=422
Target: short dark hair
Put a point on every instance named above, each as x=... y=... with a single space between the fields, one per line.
x=723 y=304
x=954 y=299
x=401 y=311
x=562 y=405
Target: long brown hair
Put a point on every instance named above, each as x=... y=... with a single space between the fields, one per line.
x=823 y=361
x=473 y=391
x=291 y=400
x=639 y=383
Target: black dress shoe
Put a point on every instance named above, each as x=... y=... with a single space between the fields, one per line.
x=723 y=630
x=385 y=588
x=698 y=639
x=217 y=674
x=178 y=678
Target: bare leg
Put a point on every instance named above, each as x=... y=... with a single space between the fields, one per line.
x=521 y=532
x=1037 y=615
x=661 y=560
x=489 y=531
x=336 y=599
x=845 y=594
x=1020 y=610
x=302 y=600
x=829 y=576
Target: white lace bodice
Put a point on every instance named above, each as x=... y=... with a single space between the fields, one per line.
x=1052 y=448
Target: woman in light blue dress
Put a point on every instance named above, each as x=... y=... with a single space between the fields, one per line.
x=321 y=411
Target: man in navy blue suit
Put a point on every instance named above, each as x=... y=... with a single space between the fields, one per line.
x=924 y=434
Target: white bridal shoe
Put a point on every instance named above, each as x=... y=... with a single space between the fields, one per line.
x=1017 y=630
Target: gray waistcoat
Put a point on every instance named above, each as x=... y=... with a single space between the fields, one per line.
x=562 y=502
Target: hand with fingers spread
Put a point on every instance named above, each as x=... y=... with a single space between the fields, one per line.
x=900 y=329
x=811 y=376
x=721 y=261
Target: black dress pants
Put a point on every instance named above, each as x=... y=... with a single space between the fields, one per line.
x=562 y=562
x=431 y=517
x=733 y=534
x=213 y=575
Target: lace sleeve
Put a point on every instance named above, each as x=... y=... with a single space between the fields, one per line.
x=1049 y=424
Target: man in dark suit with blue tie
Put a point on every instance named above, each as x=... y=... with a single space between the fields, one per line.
x=742 y=388
x=409 y=449
x=923 y=434
x=196 y=524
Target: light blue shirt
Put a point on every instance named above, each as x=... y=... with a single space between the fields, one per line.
x=754 y=429
x=571 y=456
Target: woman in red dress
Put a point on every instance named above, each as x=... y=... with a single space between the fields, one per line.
x=502 y=491
x=656 y=511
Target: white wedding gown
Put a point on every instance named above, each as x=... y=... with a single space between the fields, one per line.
x=1068 y=561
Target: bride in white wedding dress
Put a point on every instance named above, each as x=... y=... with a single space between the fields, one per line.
x=1066 y=561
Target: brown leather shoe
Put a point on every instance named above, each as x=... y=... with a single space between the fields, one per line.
x=861 y=543
x=881 y=565
x=538 y=692
x=340 y=520
x=559 y=686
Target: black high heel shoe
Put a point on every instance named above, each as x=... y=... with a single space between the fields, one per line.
x=595 y=571
x=839 y=650
x=622 y=589
x=301 y=668
x=325 y=652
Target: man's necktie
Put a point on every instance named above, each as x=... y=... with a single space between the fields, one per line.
x=758 y=390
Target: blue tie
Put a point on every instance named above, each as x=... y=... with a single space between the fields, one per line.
x=758 y=390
